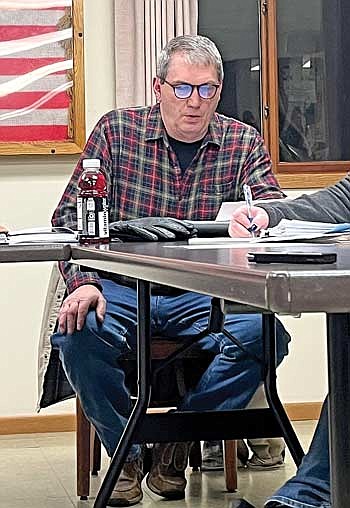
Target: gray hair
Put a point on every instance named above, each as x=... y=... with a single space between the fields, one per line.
x=196 y=49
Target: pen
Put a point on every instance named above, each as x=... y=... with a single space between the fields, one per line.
x=249 y=203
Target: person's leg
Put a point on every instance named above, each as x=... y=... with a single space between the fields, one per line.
x=212 y=456
x=268 y=453
x=91 y=361
x=235 y=372
x=310 y=487
x=233 y=376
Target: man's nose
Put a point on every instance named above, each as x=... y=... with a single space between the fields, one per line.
x=195 y=99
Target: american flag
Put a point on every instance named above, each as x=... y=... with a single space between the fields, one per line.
x=35 y=70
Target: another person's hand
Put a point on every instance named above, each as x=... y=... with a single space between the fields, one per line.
x=152 y=229
x=3 y=229
x=76 y=306
x=242 y=226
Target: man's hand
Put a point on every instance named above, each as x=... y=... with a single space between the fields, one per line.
x=3 y=229
x=76 y=306
x=242 y=226
x=152 y=229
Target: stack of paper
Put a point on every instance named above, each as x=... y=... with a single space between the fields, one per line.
x=303 y=230
x=294 y=227
x=39 y=235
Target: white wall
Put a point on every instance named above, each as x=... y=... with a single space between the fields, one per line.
x=29 y=190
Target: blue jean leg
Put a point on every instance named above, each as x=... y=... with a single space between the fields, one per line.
x=90 y=360
x=234 y=375
x=90 y=357
x=310 y=487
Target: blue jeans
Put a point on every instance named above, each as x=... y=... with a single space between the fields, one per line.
x=310 y=487
x=90 y=357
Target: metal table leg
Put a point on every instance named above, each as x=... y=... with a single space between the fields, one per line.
x=143 y=393
x=269 y=340
x=338 y=337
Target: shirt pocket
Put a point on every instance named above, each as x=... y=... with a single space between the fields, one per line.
x=219 y=189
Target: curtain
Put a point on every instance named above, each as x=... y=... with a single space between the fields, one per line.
x=142 y=28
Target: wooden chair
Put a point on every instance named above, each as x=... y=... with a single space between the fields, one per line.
x=88 y=443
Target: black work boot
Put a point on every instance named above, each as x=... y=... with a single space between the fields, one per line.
x=167 y=475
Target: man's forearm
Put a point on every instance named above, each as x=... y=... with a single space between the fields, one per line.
x=328 y=205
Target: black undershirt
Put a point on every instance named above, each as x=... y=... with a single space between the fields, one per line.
x=185 y=152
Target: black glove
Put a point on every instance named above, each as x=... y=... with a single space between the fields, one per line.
x=151 y=229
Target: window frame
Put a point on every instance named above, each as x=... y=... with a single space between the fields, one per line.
x=294 y=175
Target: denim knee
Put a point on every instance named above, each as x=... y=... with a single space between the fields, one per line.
x=94 y=340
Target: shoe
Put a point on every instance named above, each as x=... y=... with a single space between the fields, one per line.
x=212 y=456
x=167 y=475
x=127 y=491
x=260 y=464
x=268 y=453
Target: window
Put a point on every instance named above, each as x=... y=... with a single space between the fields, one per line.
x=303 y=65
x=234 y=27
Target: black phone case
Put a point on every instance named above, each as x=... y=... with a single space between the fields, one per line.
x=295 y=258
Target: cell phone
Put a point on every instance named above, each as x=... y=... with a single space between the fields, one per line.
x=292 y=257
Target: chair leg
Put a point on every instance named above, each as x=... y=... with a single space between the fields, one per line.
x=195 y=458
x=230 y=460
x=83 y=453
x=96 y=453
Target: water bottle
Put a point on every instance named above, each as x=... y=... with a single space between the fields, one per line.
x=92 y=205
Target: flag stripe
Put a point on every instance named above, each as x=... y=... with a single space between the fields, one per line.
x=51 y=50
x=42 y=84
x=36 y=133
x=12 y=33
x=30 y=17
x=38 y=4
x=9 y=66
x=37 y=117
x=24 y=99
x=42 y=42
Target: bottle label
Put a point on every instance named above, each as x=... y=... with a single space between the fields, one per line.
x=79 y=214
x=94 y=218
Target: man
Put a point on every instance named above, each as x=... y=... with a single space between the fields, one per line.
x=177 y=159
x=310 y=487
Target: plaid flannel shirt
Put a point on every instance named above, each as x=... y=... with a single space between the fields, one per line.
x=144 y=177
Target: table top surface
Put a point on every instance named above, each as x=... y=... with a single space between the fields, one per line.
x=225 y=272
x=35 y=252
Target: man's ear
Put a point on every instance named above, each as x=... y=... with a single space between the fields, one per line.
x=156 y=88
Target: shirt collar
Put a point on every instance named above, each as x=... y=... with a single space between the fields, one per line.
x=155 y=128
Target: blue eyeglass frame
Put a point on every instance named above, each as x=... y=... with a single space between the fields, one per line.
x=191 y=87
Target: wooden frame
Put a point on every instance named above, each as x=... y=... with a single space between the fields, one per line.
x=76 y=138
x=290 y=174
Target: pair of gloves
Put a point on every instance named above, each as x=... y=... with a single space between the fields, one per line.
x=151 y=229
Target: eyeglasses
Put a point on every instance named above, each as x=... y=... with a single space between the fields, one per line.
x=185 y=90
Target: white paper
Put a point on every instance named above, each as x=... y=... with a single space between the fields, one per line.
x=42 y=235
x=218 y=240
x=289 y=230
x=228 y=207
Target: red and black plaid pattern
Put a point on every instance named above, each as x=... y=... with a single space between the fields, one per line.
x=144 y=177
